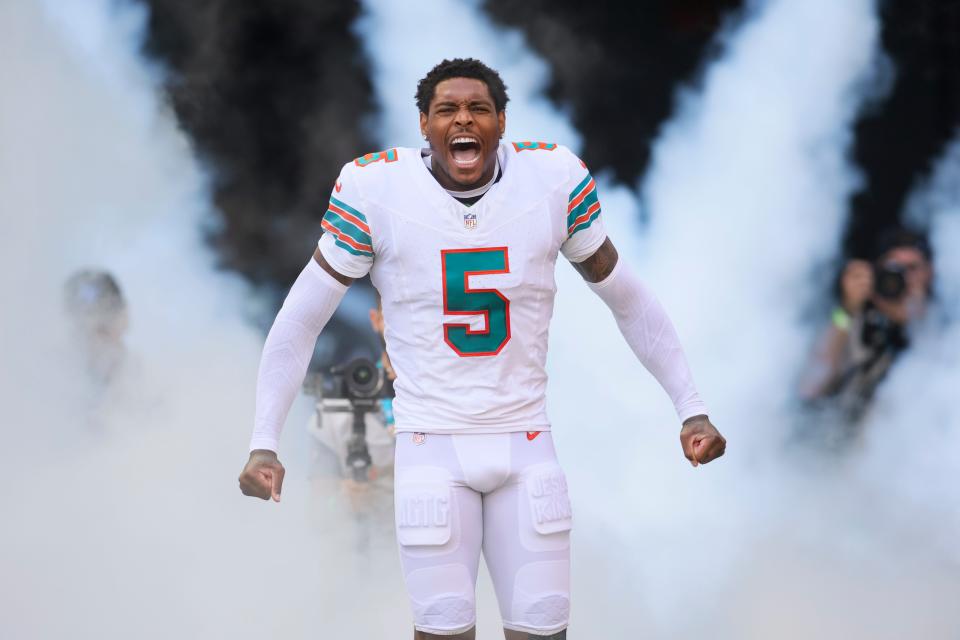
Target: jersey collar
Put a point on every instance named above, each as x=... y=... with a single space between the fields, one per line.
x=471 y=193
x=441 y=199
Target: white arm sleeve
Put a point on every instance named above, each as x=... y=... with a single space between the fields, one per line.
x=286 y=353
x=649 y=332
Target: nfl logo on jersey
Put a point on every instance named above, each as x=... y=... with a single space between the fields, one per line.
x=469 y=221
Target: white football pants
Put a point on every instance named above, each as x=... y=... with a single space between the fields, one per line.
x=504 y=493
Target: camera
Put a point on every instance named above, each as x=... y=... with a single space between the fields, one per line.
x=359 y=379
x=356 y=387
x=890 y=282
x=880 y=333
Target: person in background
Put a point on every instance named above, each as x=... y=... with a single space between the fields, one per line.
x=370 y=498
x=98 y=317
x=879 y=303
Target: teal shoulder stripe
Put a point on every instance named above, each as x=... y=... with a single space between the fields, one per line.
x=347 y=227
x=344 y=245
x=579 y=188
x=348 y=208
x=585 y=224
x=529 y=146
x=581 y=208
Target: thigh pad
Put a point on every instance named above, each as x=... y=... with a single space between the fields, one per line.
x=423 y=505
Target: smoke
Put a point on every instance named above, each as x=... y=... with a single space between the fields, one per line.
x=746 y=197
x=746 y=200
x=275 y=96
x=923 y=39
x=915 y=453
x=615 y=66
x=121 y=514
x=461 y=30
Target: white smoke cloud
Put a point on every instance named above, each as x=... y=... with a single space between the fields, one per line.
x=746 y=198
x=121 y=515
x=915 y=449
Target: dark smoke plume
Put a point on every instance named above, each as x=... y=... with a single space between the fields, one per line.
x=617 y=65
x=274 y=95
x=899 y=142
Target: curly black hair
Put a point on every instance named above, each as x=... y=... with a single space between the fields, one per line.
x=461 y=68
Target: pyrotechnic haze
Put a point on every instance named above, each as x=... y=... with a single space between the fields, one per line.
x=746 y=200
x=122 y=516
x=125 y=519
x=915 y=454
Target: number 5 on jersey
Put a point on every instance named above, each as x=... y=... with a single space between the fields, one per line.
x=459 y=299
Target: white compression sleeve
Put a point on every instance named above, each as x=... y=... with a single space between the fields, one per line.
x=286 y=353
x=648 y=330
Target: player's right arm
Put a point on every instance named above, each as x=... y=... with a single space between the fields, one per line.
x=345 y=252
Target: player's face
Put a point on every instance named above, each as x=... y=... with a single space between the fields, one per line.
x=464 y=129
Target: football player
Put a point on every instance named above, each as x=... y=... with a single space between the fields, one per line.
x=461 y=240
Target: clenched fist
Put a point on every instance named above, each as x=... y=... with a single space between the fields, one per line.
x=701 y=441
x=262 y=476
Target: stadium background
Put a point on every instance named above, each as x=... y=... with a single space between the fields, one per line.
x=744 y=150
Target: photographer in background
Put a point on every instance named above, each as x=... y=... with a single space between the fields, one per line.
x=353 y=431
x=878 y=303
x=97 y=312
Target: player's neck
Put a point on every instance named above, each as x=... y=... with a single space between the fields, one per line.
x=462 y=192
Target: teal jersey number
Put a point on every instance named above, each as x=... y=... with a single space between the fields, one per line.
x=459 y=299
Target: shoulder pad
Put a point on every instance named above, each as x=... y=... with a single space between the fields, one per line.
x=533 y=146
x=390 y=155
x=554 y=158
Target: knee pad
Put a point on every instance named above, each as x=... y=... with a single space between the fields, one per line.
x=443 y=599
x=541 y=597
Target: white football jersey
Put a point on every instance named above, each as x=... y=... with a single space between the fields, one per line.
x=467 y=291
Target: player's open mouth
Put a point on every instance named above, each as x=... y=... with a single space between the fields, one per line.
x=465 y=151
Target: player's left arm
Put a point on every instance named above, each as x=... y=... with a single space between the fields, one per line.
x=651 y=335
x=642 y=320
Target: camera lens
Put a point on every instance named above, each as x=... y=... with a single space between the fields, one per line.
x=362 y=378
x=890 y=282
